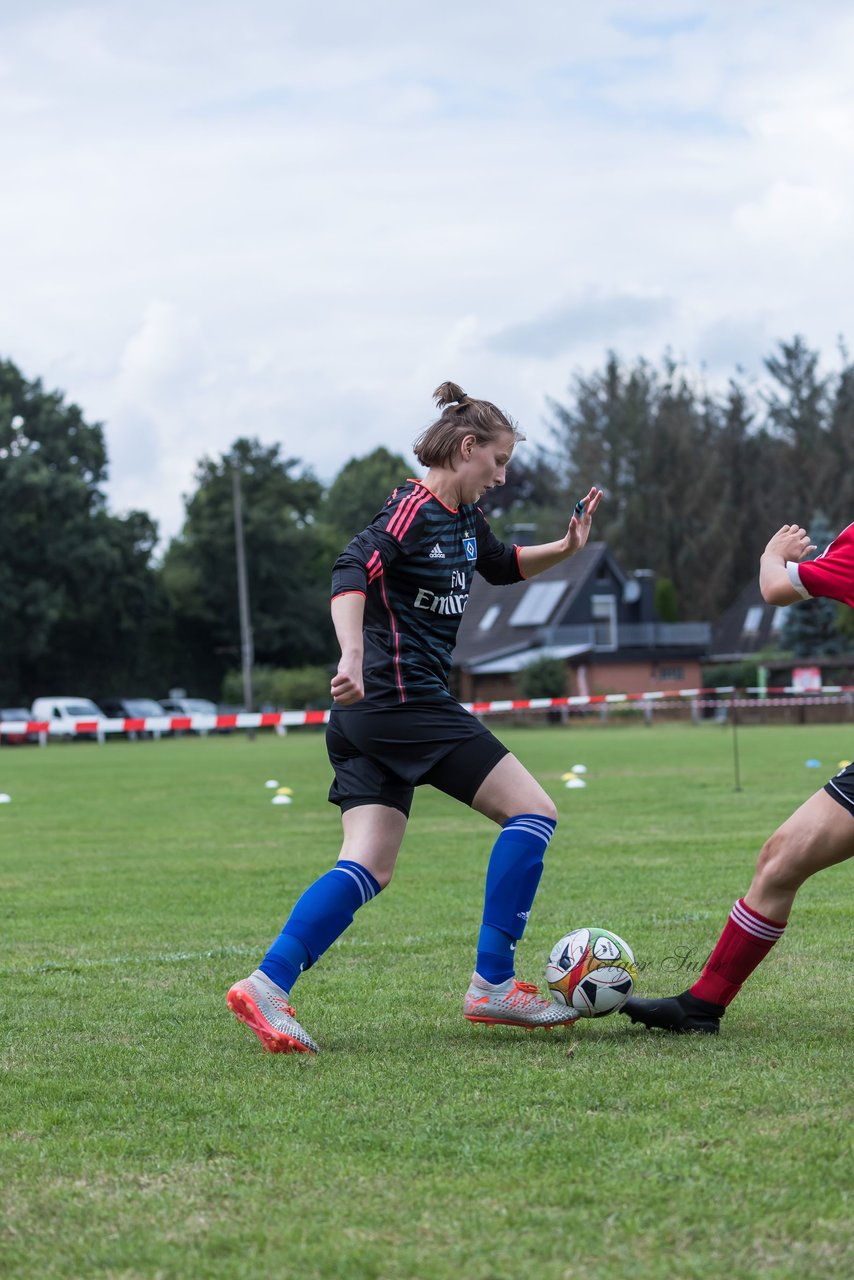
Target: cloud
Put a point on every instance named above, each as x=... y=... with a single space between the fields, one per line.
x=598 y=320
x=293 y=222
x=789 y=213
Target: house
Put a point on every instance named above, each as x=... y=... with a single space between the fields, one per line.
x=589 y=613
x=747 y=627
x=750 y=628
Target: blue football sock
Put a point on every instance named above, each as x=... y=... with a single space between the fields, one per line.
x=320 y=916
x=512 y=877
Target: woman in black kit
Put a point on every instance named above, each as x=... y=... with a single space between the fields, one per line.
x=398 y=593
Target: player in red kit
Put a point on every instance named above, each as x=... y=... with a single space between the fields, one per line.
x=819 y=834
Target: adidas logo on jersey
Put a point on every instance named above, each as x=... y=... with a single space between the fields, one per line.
x=437 y=553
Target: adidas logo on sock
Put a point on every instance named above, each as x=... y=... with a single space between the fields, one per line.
x=437 y=553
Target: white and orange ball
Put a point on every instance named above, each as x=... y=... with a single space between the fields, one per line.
x=591 y=970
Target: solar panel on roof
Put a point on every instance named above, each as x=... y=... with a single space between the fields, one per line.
x=537 y=604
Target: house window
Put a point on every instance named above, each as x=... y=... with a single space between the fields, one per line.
x=778 y=622
x=604 y=610
x=752 y=620
x=488 y=619
x=671 y=673
x=537 y=604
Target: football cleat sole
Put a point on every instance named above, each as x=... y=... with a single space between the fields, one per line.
x=524 y=1026
x=274 y=1041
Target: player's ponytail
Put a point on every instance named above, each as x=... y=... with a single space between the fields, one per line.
x=449 y=393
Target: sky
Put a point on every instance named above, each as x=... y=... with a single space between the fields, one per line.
x=292 y=221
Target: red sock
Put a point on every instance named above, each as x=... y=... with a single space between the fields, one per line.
x=745 y=942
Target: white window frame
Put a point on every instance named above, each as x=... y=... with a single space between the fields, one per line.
x=608 y=605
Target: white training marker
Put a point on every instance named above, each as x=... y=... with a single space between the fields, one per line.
x=4 y=799
x=281 y=800
x=576 y=782
x=579 y=768
x=271 y=783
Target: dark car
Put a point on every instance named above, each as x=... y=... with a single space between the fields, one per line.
x=17 y=715
x=192 y=707
x=135 y=709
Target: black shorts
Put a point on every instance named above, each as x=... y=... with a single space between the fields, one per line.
x=841 y=788
x=381 y=754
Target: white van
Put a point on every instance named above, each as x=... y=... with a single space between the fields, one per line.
x=62 y=715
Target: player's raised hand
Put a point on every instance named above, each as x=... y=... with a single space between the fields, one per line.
x=790 y=542
x=582 y=518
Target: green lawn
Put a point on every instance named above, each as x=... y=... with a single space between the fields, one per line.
x=145 y=1133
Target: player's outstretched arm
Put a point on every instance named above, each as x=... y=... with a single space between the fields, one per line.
x=534 y=560
x=789 y=543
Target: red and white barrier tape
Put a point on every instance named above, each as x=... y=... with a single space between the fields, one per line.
x=167 y=724
x=290 y=719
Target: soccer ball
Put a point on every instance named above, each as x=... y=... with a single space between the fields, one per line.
x=591 y=970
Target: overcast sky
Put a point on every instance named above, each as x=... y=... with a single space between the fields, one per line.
x=294 y=220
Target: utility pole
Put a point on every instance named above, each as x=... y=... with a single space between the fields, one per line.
x=247 y=653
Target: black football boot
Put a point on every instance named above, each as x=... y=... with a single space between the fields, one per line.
x=677 y=1014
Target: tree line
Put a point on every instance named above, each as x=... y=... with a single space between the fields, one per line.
x=695 y=482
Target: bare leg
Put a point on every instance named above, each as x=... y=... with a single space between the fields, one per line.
x=373 y=834
x=509 y=790
x=820 y=834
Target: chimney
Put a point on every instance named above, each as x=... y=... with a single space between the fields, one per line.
x=523 y=535
x=645 y=578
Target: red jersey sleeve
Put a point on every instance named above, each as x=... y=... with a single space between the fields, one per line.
x=831 y=574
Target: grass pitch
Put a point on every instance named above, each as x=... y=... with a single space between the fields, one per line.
x=145 y=1133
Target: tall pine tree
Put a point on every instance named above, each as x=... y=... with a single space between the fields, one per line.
x=811 y=629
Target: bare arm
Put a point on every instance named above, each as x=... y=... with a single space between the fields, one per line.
x=534 y=560
x=348 y=616
x=791 y=542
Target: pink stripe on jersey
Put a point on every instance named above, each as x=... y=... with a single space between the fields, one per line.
x=406 y=513
x=374 y=567
x=756 y=925
x=413 y=514
x=395 y=635
x=400 y=514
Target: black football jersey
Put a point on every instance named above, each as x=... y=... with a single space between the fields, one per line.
x=414 y=564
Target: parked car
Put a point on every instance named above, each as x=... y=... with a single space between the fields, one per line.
x=190 y=707
x=136 y=709
x=62 y=714
x=16 y=715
